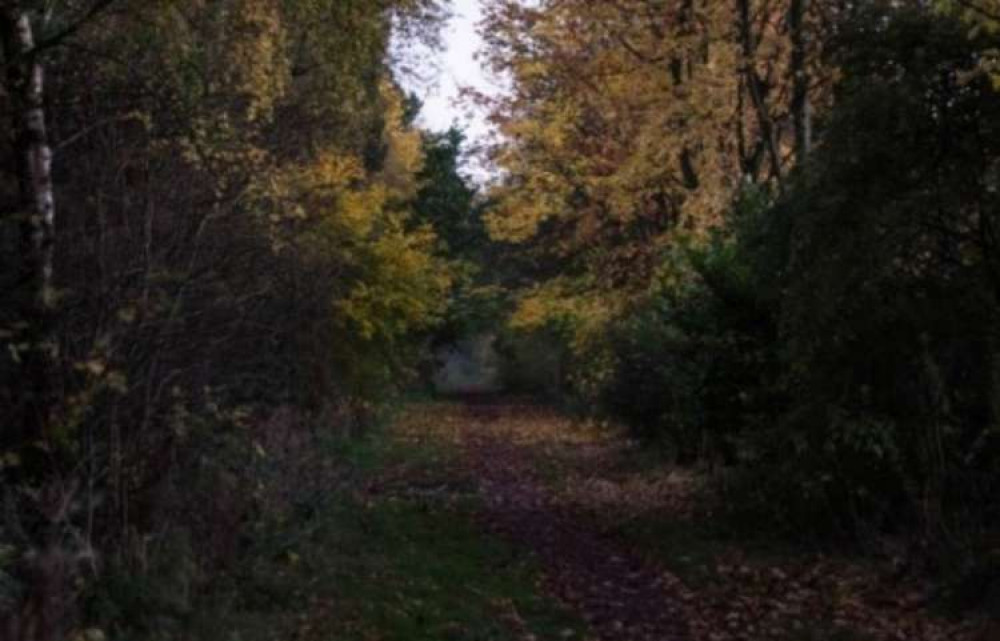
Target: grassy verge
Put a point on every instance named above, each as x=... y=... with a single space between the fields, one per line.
x=393 y=554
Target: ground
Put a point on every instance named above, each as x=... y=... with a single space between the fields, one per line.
x=501 y=520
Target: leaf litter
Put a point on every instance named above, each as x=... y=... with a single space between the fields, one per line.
x=566 y=493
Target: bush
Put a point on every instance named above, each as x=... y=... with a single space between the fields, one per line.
x=839 y=345
x=888 y=303
x=695 y=357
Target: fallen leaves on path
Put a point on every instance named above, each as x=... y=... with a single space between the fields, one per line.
x=562 y=489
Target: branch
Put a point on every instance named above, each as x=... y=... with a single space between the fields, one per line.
x=979 y=9
x=56 y=39
x=636 y=53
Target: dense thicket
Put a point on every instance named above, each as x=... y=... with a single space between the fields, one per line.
x=225 y=231
x=776 y=239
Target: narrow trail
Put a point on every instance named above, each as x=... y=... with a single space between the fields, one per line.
x=620 y=596
x=606 y=532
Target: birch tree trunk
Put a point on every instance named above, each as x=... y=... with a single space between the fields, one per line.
x=35 y=212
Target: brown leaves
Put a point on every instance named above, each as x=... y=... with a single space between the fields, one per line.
x=786 y=598
x=557 y=488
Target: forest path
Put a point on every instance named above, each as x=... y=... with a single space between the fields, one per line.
x=629 y=544
x=515 y=452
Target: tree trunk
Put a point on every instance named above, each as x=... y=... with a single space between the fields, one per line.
x=34 y=214
x=756 y=91
x=801 y=107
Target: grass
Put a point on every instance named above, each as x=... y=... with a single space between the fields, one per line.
x=690 y=550
x=406 y=562
x=393 y=551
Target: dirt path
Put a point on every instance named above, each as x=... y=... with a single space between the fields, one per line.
x=573 y=497
x=619 y=595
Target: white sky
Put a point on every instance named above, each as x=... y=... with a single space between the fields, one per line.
x=456 y=67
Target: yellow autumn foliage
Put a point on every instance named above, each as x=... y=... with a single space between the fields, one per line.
x=403 y=150
x=396 y=284
x=403 y=287
x=298 y=155
x=563 y=304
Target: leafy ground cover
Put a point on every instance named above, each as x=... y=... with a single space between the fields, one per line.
x=501 y=520
x=671 y=569
x=392 y=554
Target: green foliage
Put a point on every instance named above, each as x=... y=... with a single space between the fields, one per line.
x=840 y=344
x=889 y=307
x=235 y=237
x=696 y=359
x=449 y=203
x=534 y=362
x=345 y=561
x=445 y=199
x=154 y=599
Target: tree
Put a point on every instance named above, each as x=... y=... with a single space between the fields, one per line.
x=446 y=200
x=33 y=214
x=634 y=125
x=234 y=181
x=889 y=304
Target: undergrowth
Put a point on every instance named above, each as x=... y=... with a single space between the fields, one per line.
x=391 y=552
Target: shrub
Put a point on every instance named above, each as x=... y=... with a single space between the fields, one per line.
x=695 y=357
